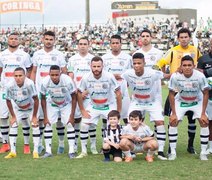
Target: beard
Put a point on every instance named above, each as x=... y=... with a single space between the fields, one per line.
x=13 y=47
x=97 y=73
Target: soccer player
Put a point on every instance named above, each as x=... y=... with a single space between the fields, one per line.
x=192 y=88
x=42 y=60
x=10 y=59
x=100 y=86
x=78 y=66
x=143 y=83
x=173 y=59
x=22 y=102
x=61 y=100
x=117 y=62
x=112 y=137
x=137 y=137
x=205 y=64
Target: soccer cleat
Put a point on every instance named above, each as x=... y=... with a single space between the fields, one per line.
x=35 y=155
x=26 y=149
x=191 y=150
x=106 y=160
x=203 y=157
x=133 y=155
x=128 y=159
x=209 y=151
x=60 y=150
x=94 y=151
x=46 y=155
x=4 y=148
x=172 y=157
x=82 y=155
x=10 y=155
x=71 y=155
x=149 y=159
x=161 y=156
x=40 y=149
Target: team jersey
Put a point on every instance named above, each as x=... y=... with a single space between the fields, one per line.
x=22 y=96
x=174 y=55
x=100 y=90
x=79 y=66
x=9 y=61
x=151 y=57
x=142 y=131
x=117 y=64
x=144 y=88
x=189 y=89
x=44 y=60
x=112 y=135
x=58 y=95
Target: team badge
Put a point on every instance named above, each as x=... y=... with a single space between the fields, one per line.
x=152 y=58
x=24 y=93
x=18 y=59
x=147 y=82
x=54 y=58
x=121 y=63
x=104 y=86
x=63 y=90
x=194 y=84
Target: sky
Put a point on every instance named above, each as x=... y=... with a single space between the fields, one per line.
x=73 y=11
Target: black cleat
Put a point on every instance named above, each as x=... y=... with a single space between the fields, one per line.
x=191 y=150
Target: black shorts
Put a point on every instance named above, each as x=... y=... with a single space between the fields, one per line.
x=115 y=152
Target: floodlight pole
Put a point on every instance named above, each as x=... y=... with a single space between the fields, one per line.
x=87 y=12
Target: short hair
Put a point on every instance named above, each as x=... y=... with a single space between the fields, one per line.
x=116 y=36
x=187 y=58
x=13 y=34
x=49 y=33
x=114 y=113
x=96 y=59
x=147 y=31
x=20 y=69
x=83 y=38
x=138 y=56
x=135 y=114
x=54 y=67
x=184 y=30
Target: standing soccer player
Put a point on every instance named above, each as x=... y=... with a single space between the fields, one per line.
x=143 y=83
x=117 y=62
x=205 y=64
x=61 y=100
x=173 y=59
x=10 y=59
x=22 y=102
x=78 y=66
x=192 y=88
x=100 y=86
x=42 y=60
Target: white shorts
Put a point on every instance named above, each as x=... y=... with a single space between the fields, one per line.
x=78 y=114
x=4 y=112
x=182 y=108
x=138 y=148
x=96 y=114
x=209 y=109
x=54 y=113
x=154 y=109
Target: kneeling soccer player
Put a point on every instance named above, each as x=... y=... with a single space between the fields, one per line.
x=137 y=137
x=22 y=102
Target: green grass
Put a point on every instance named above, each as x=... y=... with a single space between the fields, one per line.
x=186 y=166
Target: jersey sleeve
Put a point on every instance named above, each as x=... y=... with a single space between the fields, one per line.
x=172 y=82
x=62 y=60
x=148 y=131
x=204 y=83
x=83 y=86
x=165 y=60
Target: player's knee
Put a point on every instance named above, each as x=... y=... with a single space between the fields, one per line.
x=106 y=146
x=124 y=143
x=77 y=120
x=159 y=123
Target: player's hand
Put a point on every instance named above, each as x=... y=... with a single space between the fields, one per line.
x=34 y=121
x=71 y=120
x=118 y=77
x=13 y=120
x=173 y=120
x=46 y=121
x=84 y=94
x=138 y=139
x=116 y=146
x=85 y=114
x=204 y=119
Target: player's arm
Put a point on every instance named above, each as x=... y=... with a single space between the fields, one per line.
x=10 y=107
x=204 y=119
x=85 y=114
x=173 y=117
x=33 y=73
x=145 y=139
x=1 y=70
x=29 y=71
x=35 y=111
x=73 y=107
x=118 y=99
x=43 y=105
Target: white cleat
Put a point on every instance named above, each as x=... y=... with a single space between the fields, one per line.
x=82 y=155
x=172 y=157
x=203 y=157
